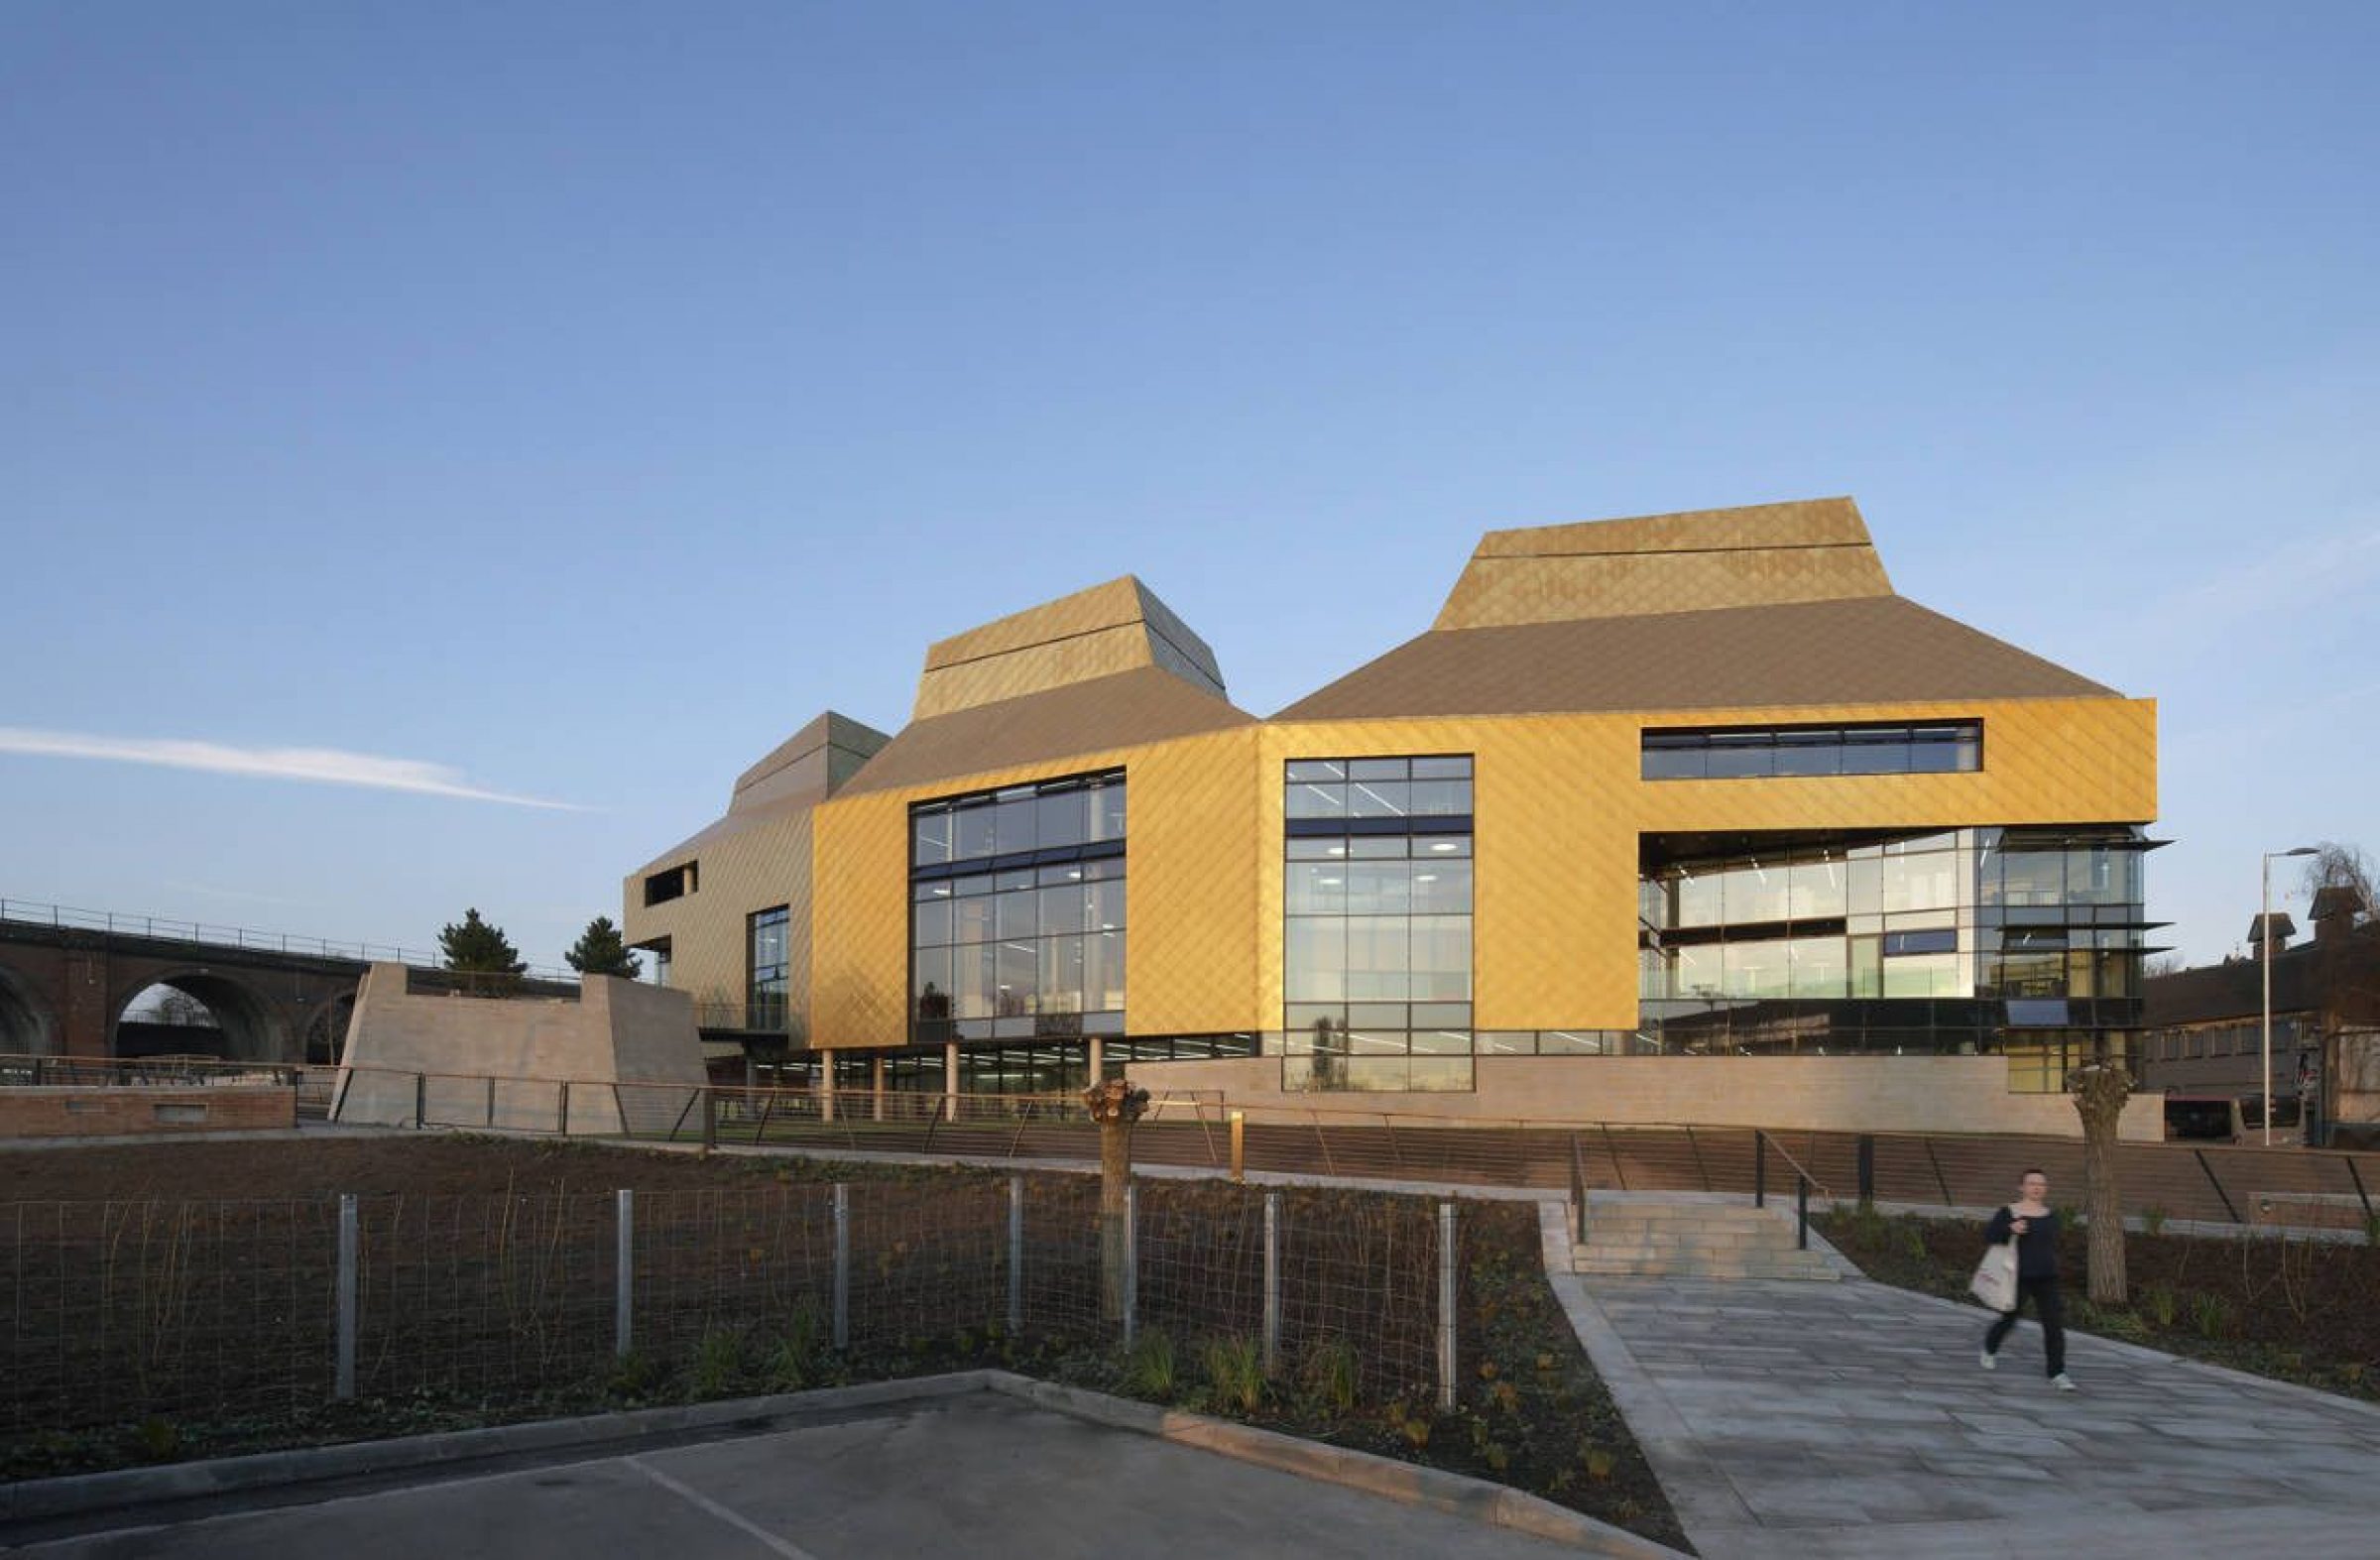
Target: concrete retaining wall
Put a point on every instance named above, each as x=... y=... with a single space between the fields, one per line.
x=405 y=1050
x=1907 y=1094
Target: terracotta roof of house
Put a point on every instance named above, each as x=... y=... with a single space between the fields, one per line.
x=1860 y=650
x=1124 y=710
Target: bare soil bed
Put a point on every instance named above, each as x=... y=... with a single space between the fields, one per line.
x=2296 y=1309
x=487 y=1284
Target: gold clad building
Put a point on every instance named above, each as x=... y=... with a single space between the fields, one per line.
x=1685 y=818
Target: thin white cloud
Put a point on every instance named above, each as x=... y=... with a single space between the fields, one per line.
x=323 y=766
x=2291 y=574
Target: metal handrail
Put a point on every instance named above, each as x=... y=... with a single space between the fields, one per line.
x=164 y=928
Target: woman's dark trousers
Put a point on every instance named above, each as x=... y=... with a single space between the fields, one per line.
x=2042 y=1292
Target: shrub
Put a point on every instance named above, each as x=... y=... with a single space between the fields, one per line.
x=1332 y=1373
x=2161 y=1302
x=718 y=1361
x=1149 y=1369
x=2152 y=1220
x=1235 y=1373
x=2210 y=1314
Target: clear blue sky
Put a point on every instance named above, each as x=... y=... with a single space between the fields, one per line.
x=566 y=401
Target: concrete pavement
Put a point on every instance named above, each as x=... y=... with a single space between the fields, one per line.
x=1789 y=1421
x=980 y=1475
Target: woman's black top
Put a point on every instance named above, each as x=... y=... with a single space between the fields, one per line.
x=2036 y=1249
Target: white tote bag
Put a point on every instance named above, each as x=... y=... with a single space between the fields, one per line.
x=1994 y=1282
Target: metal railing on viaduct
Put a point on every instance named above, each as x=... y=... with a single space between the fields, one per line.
x=68 y=975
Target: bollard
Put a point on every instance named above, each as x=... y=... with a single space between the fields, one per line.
x=564 y=1113
x=344 y=1390
x=1272 y=1282
x=624 y=1282
x=1867 y=1167
x=1238 y=1145
x=842 y=1266
x=1016 y=1255
x=491 y=1100
x=420 y=1100
x=1446 y=1307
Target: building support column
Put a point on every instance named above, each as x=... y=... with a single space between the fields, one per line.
x=878 y=1079
x=1097 y=1054
x=950 y=1080
x=826 y=1086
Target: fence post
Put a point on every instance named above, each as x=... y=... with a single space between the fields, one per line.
x=344 y=1388
x=1759 y=1168
x=710 y=1120
x=564 y=1127
x=624 y=1284
x=1016 y=1255
x=1867 y=1167
x=420 y=1100
x=842 y=1266
x=1131 y=1260
x=1272 y=1282
x=490 y=1098
x=1446 y=1307
x=1801 y=1212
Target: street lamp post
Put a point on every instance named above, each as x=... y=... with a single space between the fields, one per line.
x=2264 y=925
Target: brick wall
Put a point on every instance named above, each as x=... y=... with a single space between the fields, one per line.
x=141 y=1112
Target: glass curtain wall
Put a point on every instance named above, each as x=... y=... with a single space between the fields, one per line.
x=767 y=963
x=1375 y=942
x=1017 y=918
x=2027 y=941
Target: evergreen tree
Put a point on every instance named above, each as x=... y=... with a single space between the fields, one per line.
x=599 y=951
x=479 y=946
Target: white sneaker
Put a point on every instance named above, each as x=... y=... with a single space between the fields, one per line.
x=1992 y=1361
x=2064 y=1382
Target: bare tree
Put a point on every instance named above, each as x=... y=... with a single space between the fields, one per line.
x=2337 y=866
x=180 y=1009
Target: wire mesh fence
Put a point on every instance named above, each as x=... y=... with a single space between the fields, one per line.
x=209 y=1312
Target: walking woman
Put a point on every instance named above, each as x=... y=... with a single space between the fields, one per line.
x=2032 y=1224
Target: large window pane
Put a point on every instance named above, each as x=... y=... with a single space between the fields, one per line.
x=1378 y=888
x=973 y=837
x=1379 y=799
x=1378 y=957
x=1062 y=975
x=1064 y=908
x=1818 y=889
x=1106 y=909
x=1442 y=887
x=971 y=919
x=1020 y=915
x=1314 y=959
x=1063 y=817
x=1316 y=887
x=1014 y=828
x=1441 y=958
x=1102 y=971
x=929 y=838
x=1318 y=800
x=932 y=924
x=1019 y=977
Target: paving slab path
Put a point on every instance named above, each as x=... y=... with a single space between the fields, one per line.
x=1792 y=1421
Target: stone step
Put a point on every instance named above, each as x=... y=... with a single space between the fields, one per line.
x=1673 y=1246
x=1816 y=1269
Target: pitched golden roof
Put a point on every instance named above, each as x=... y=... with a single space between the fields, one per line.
x=1696 y=560
x=1095 y=633
x=1880 y=650
x=800 y=772
x=1124 y=710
